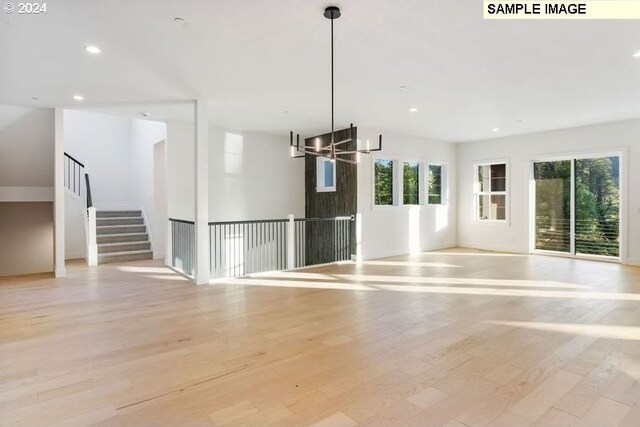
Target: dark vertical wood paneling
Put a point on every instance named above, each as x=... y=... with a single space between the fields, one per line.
x=320 y=236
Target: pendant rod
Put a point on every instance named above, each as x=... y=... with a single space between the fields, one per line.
x=335 y=153
x=332 y=113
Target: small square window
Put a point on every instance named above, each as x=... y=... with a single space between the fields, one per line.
x=325 y=175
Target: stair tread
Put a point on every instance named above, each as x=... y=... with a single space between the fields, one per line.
x=124 y=234
x=119 y=218
x=119 y=225
x=114 y=254
x=133 y=242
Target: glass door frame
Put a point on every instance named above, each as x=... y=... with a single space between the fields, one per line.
x=622 y=156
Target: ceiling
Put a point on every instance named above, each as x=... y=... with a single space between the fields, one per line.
x=264 y=65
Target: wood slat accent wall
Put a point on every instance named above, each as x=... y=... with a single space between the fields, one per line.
x=343 y=202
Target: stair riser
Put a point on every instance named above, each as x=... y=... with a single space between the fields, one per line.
x=145 y=246
x=117 y=214
x=105 y=258
x=119 y=221
x=121 y=230
x=106 y=238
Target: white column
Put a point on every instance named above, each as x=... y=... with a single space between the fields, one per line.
x=357 y=257
x=169 y=247
x=291 y=243
x=201 y=163
x=92 y=245
x=58 y=197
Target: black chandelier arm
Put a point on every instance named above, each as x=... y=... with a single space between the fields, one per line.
x=320 y=152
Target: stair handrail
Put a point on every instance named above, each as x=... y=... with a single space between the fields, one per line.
x=77 y=169
x=88 y=192
x=74 y=170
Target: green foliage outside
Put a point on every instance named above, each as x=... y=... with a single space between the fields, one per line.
x=597 y=206
x=383 y=171
x=411 y=183
x=435 y=184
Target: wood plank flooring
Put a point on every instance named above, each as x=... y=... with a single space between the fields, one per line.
x=454 y=338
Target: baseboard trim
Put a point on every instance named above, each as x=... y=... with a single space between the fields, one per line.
x=632 y=261
x=485 y=247
x=60 y=272
x=399 y=252
x=74 y=255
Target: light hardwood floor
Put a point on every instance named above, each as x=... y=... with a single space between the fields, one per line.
x=454 y=338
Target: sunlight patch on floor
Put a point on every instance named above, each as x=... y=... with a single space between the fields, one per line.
x=475 y=254
x=167 y=277
x=411 y=264
x=460 y=281
x=357 y=278
x=148 y=270
x=616 y=332
x=436 y=289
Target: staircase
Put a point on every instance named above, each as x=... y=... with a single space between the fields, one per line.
x=122 y=236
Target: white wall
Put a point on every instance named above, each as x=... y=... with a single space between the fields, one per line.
x=102 y=143
x=250 y=175
x=144 y=135
x=396 y=230
x=74 y=232
x=160 y=217
x=26 y=154
x=180 y=174
x=519 y=151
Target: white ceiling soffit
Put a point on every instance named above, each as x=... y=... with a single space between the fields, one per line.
x=264 y=65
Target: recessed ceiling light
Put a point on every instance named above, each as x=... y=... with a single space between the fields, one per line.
x=495 y=129
x=78 y=97
x=286 y=112
x=413 y=110
x=145 y=114
x=637 y=54
x=94 y=50
x=35 y=98
x=402 y=87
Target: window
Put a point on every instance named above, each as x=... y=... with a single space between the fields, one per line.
x=491 y=195
x=325 y=175
x=411 y=183
x=383 y=182
x=435 y=181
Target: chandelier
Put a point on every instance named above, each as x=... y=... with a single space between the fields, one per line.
x=334 y=150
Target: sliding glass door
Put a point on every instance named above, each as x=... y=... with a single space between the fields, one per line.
x=577 y=206
x=553 y=205
x=597 y=201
